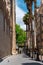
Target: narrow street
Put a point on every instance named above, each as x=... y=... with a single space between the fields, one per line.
x=27 y=35
x=19 y=59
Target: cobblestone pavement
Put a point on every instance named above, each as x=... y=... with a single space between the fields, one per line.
x=20 y=59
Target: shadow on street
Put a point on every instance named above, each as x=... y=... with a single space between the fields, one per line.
x=31 y=64
x=1 y=59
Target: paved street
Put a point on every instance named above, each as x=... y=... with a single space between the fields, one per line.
x=19 y=59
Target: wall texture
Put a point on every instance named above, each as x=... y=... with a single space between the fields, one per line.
x=4 y=39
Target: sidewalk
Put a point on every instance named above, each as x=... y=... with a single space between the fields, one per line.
x=20 y=59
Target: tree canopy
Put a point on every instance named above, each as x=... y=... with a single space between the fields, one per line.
x=26 y=18
x=20 y=35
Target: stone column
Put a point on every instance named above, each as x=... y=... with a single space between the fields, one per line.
x=4 y=23
x=13 y=28
x=5 y=27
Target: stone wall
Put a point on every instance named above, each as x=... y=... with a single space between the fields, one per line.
x=4 y=39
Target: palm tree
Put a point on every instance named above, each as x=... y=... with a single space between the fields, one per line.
x=29 y=7
x=26 y=18
x=26 y=21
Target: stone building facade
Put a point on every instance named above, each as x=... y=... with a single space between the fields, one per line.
x=7 y=28
x=39 y=27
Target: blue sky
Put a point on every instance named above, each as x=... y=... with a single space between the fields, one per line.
x=21 y=10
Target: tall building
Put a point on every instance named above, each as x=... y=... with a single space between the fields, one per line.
x=39 y=27
x=7 y=28
x=41 y=1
